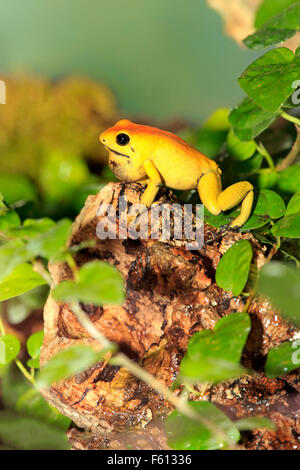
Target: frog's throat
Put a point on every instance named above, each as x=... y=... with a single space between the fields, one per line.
x=117 y=153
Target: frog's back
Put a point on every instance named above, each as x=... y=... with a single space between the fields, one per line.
x=179 y=164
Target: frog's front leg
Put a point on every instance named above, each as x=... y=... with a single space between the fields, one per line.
x=216 y=200
x=153 y=183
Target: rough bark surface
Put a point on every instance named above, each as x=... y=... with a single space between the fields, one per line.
x=170 y=294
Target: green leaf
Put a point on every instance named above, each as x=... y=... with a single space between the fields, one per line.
x=25 y=433
x=8 y=220
x=31 y=403
x=13 y=385
x=52 y=242
x=17 y=188
x=270 y=8
x=238 y=149
x=233 y=268
x=280 y=282
x=287 y=227
x=270 y=203
x=98 y=283
x=250 y=166
x=22 y=279
x=289 y=179
x=34 y=363
x=256 y=422
x=214 y=356
x=188 y=434
x=269 y=79
x=255 y=222
x=12 y=253
x=293 y=206
x=61 y=175
x=67 y=363
x=277 y=29
x=34 y=345
x=267 y=179
x=9 y=348
x=283 y=359
x=249 y=120
x=31 y=228
x=212 y=136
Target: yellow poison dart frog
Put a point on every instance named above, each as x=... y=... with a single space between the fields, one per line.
x=154 y=157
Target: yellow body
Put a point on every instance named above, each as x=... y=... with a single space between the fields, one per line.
x=155 y=157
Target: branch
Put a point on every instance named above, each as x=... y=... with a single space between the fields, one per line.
x=292 y=155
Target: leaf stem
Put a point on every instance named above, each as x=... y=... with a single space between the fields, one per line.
x=2 y=329
x=40 y=268
x=290 y=118
x=293 y=153
x=25 y=372
x=263 y=151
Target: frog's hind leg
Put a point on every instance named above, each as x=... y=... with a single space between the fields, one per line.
x=232 y=196
x=215 y=200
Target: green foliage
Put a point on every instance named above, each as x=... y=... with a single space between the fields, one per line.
x=288 y=226
x=212 y=136
x=27 y=433
x=289 y=179
x=189 y=434
x=214 y=356
x=240 y=150
x=293 y=206
x=277 y=29
x=249 y=120
x=97 y=283
x=280 y=282
x=255 y=422
x=51 y=243
x=67 y=363
x=30 y=228
x=9 y=349
x=17 y=189
x=9 y=219
x=283 y=359
x=34 y=345
x=270 y=8
x=24 y=401
x=260 y=80
x=62 y=175
x=233 y=268
x=22 y=279
x=31 y=403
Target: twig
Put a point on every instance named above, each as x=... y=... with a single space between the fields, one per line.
x=38 y=267
x=290 y=118
x=292 y=155
x=26 y=374
x=264 y=152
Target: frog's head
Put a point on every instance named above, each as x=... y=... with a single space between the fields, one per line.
x=128 y=147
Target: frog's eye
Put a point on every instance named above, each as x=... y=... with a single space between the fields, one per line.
x=122 y=139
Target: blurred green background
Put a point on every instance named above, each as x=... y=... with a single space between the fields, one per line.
x=162 y=59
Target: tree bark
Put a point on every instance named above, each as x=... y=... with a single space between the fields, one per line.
x=171 y=293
